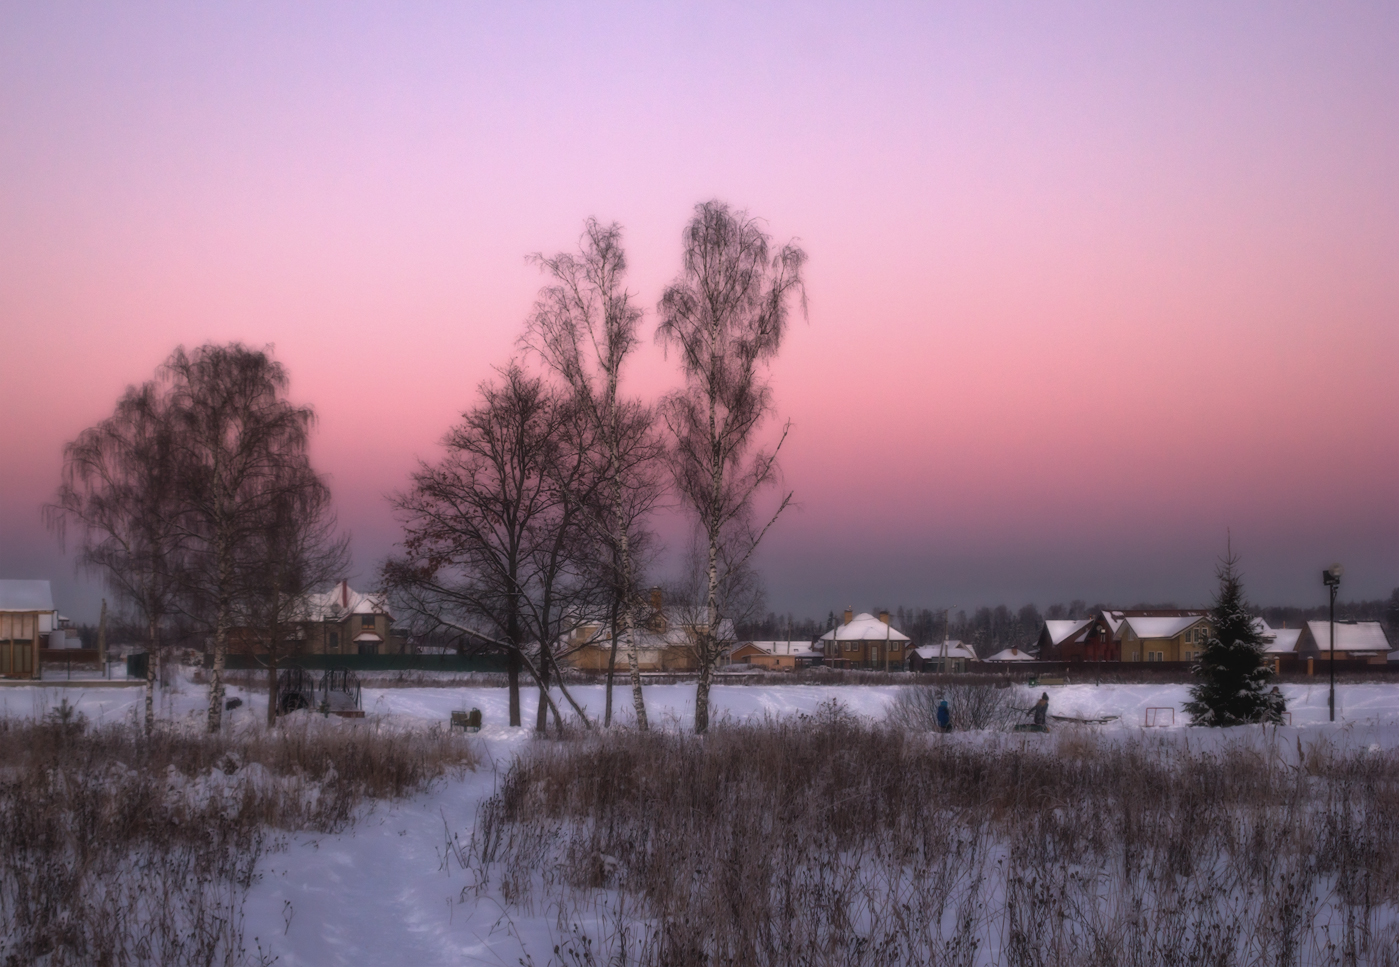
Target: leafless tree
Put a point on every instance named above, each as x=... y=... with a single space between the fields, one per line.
x=493 y=534
x=120 y=490
x=584 y=326
x=234 y=435
x=295 y=549
x=725 y=316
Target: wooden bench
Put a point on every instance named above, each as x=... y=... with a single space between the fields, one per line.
x=467 y=721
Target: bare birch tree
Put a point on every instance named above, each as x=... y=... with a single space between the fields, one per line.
x=491 y=542
x=584 y=326
x=295 y=548
x=120 y=490
x=234 y=434
x=725 y=316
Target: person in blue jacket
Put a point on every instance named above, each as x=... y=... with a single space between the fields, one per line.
x=944 y=716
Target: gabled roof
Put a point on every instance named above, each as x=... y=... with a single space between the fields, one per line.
x=1061 y=631
x=19 y=595
x=1360 y=636
x=1281 y=641
x=1161 y=627
x=1011 y=654
x=949 y=649
x=343 y=600
x=800 y=649
x=864 y=627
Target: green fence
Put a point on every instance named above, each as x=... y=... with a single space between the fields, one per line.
x=372 y=663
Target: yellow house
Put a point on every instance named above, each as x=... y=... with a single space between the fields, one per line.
x=1175 y=638
x=664 y=638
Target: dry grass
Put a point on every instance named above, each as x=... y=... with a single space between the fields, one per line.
x=828 y=841
x=125 y=849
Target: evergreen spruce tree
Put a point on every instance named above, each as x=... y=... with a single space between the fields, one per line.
x=1233 y=679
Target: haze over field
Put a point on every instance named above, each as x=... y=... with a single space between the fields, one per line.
x=1089 y=284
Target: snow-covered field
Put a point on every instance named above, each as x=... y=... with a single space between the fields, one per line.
x=383 y=892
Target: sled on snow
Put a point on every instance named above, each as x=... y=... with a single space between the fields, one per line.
x=1100 y=720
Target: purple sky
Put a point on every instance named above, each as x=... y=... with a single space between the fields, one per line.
x=1089 y=284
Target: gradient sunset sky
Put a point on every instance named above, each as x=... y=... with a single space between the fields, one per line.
x=1090 y=284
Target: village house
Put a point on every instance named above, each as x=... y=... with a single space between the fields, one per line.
x=1178 y=637
x=1066 y=640
x=1107 y=636
x=341 y=621
x=27 y=619
x=864 y=641
x=664 y=639
x=1279 y=644
x=944 y=656
x=1356 y=641
x=783 y=656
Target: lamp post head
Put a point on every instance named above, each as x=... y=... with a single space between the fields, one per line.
x=1331 y=577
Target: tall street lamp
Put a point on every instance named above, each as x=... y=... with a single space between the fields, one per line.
x=1331 y=577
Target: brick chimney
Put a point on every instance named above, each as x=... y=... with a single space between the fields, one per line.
x=656 y=599
x=849 y=615
x=884 y=617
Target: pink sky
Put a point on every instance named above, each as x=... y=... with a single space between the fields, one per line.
x=1089 y=284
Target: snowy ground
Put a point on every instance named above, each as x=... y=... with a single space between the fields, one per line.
x=383 y=892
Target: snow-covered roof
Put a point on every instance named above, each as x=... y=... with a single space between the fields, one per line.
x=19 y=595
x=1114 y=620
x=948 y=649
x=864 y=627
x=367 y=636
x=1061 y=631
x=343 y=600
x=801 y=649
x=1161 y=627
x=1011 y=654
x=1281 y=641
x=1360 y=636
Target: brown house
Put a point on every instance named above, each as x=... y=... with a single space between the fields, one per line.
x=942 y=656
x=1356 y=641
x=341 y=621
x=27 y=617
x=864 y=641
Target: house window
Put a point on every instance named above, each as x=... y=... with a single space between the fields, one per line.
x=1155 y=656
x=366 y=621
x=335 y=639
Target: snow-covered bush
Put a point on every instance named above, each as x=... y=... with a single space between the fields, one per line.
x=972 y=705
